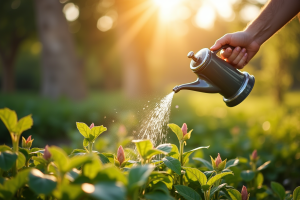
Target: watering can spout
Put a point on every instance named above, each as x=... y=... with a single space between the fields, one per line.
x=199 y=85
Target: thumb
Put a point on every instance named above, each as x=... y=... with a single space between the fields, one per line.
x=221 y=42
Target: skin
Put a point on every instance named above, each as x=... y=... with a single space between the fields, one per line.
x=274 y=15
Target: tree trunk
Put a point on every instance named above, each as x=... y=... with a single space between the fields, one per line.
x=61 y=69
x=8 y=77
x=135 y=81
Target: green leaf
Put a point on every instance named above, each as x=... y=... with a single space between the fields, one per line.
x=217 y=177
x=85 y=142
x=188 y=153
x=157 y=195
x=234 y=194
x=187 y=193
x=205 y=163
x=177 y=130
x=5 y=148
x=264 y=166
x=232 y=163
x=247 y=175
x=143 y=146
x=59 y=156
x=153 y=152
x=105 y=190
x=138 y=176
x=173 y=164
x=165 y=147
x=7 y=160
x=40 y=183
x=103 y=158
x=76 y=162
x=90 y=170
x=161 y=187
x=111 y=173
x=9 y=118
x=278 y=189
x=10 y=187
x=25 y=152
x=174 y=152
x=83 y=129
x=259 y=179
x=97 y=130
x=217 y=188
x=195 y=175
x=296 y=193
x=68 y=191
x=21 y=160
x=23 y=124
x=110 y=157
x=40 y=160
x=78 y=152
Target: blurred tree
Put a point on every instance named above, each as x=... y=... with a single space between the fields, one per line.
x=61 y=69
x=16 y=25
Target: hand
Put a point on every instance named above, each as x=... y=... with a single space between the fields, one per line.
x=246 y=48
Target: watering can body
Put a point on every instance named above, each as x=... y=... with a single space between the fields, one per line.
x=217 y=76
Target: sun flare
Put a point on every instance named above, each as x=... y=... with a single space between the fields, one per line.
x=166 y=8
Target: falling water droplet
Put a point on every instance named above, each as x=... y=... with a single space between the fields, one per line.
x=176 y=106
x=104 y=117
x=113 y=120
x=143 y=108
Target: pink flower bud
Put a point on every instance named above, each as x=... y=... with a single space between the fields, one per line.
x=254 y=154
x=47 y=154
x=121 y=154
x=244 y=193
x=28 y=139
x=184 y=129
x=92 y=125
x=218 y=160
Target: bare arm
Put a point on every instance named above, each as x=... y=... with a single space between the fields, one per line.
x=274 y=15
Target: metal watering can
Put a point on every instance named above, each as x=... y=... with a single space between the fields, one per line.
x=217 y=76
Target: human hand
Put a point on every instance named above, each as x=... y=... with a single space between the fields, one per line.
x=246 y=48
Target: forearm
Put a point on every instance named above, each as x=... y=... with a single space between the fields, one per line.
x=274 y=15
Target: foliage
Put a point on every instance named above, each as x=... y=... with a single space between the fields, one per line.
x=51 y=174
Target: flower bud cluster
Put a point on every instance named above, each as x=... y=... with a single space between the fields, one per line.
x=218 y=164
x=27 y=143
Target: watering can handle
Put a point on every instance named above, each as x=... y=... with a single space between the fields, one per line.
x=223 y=47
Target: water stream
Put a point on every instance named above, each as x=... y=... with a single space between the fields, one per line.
x=154 y=124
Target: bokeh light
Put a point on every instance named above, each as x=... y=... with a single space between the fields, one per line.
x=71 y=11
x=205 y=17
x=105 y=23
x=249 y=12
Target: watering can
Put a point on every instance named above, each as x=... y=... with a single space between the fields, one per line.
x=217 y=76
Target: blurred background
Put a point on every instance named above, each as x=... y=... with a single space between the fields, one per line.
x=103 y=61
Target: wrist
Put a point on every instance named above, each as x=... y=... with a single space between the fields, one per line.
x=255 y=34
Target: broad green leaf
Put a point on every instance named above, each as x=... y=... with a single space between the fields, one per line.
x=97 y=130
x=7 y=160
x=174 y=152
x=105 y=190
x=161 y=187
x=187 y=193
x=158 y=175
x=204 y=162
x=143 y=146
x=85 y=142
x=247 y=175
x=25 y=152
x=40 y=160
x=264 y=166
x=23 y=124
x=278 y=189
x=188 y=153
x=103 y=158
x=83 y=129
x=205 y=187
x=173 y=164
x=131 y=154
x=40 y=183
x=21 y=160
x=110 y=157
x=153 y=152
x=234 y=194
x=9 y=118
x=10 y=187
x=110 y=173
x=68 y=192
x=5 y=148
x=166 y=179
x=259 y=179
x=157 y=194
x=217 y=188
x=91 y=169
x=77 y=161
x=59 y=156
x=195 y=175
x=296 y=193
x=73 y=174
x=177 y=130
x=217 y=177
x=78 y=152
x=138 y=176
x=232 y=163
x=165 y=147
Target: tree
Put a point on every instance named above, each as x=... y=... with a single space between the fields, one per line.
x=61 y=69
x=16 y=25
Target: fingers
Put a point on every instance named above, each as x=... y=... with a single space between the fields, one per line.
x=242 y=62
x=226 y=53
x=237 y=57
x=221 y=42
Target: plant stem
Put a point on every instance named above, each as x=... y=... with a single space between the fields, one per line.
x=90 y=148
x=15 y=148
x=180 y=159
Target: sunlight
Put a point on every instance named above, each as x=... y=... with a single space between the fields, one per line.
x=205 y=17
x=166 y=8
x=105 y=23
x=71 y=11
